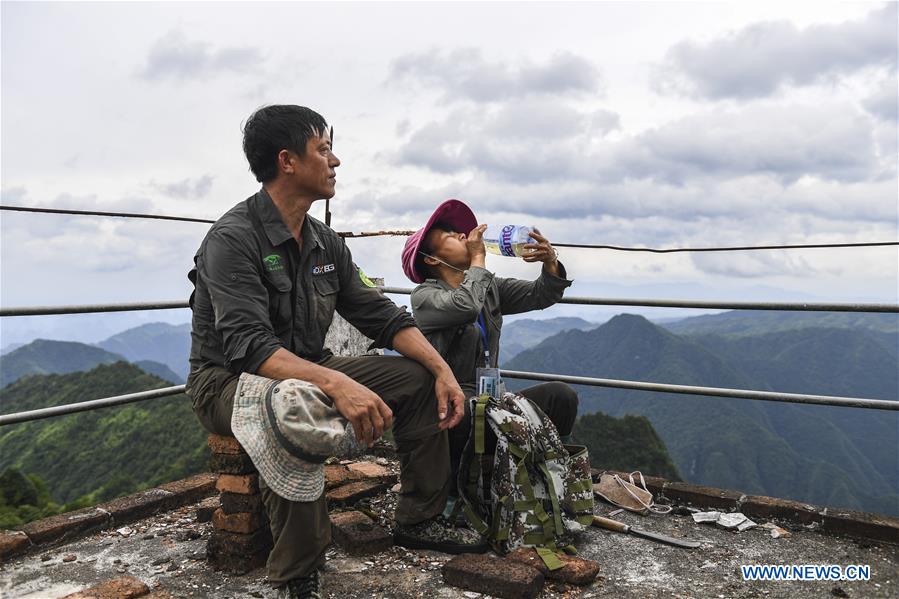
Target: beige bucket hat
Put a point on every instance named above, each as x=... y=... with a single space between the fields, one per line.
x=288 y=428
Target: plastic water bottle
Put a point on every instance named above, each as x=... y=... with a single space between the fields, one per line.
x=507 y=240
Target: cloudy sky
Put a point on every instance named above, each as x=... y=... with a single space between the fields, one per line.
x=641 y=124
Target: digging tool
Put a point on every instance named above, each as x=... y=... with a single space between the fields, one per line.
x=617 y=526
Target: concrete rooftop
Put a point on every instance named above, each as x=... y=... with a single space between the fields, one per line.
x=167 y=552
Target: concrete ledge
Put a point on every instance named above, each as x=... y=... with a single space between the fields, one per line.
x=70 y=525
x=876 y=527
x=66 y=526
x=136 y=506
x=706 y=497
x=759 y=506
x=188 y=490
x=862 y=524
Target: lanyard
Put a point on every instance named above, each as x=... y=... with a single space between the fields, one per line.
x=482 y=324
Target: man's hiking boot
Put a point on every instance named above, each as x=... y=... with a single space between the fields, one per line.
x=307 y=587
x=438 y=534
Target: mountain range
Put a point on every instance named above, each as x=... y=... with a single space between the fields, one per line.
x=99 y=454
x=841 y=457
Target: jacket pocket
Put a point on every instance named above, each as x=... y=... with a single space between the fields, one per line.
x=325 y=299
x=279 y=287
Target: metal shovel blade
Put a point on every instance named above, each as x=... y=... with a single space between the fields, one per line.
x=665 y=538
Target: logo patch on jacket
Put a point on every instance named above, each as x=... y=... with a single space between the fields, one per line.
x=272 y=263
x=322 y=269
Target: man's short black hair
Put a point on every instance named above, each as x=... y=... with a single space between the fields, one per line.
x=274 y=128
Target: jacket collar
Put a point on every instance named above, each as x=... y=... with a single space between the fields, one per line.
x=275 y=229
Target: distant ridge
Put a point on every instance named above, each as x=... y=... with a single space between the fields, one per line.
x=840 y=457
x=157 y=341
x=45 y=356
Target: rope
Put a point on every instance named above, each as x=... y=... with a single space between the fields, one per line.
x=406 y=232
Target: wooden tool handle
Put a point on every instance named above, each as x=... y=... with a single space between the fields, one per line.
x=610 y=524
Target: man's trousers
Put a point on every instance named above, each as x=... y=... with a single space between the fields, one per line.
x=302 y=530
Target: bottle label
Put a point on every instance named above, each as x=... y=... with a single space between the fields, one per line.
x=505 y=240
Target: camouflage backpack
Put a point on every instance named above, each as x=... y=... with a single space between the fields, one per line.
x=538 y=491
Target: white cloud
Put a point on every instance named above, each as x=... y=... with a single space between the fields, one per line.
x=763 y=57
x=465 y=73
x=175 y=56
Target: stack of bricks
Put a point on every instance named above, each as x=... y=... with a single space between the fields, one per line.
x=241 y=538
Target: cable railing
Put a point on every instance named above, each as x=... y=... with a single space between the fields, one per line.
x=855 y=402
x=824 y=400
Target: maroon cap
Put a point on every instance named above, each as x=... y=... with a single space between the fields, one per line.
x=452 y=212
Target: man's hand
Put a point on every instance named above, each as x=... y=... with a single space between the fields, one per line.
x=476 y=249
x=360 y=405
x=450 y=401
x=542 y=251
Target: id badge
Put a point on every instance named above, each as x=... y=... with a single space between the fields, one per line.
x=489 y=382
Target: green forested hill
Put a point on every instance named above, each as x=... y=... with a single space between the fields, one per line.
x=626 y=444
x=102 y=453
x=753 y=322
x=840 y=457
x=43 y=356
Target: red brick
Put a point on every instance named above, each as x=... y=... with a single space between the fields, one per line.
x=238 y=564
x=702 y=496
x=125 y=587
x=759 y=506
x=244 y=484
x=235 y=503
x=353 y=492
x=67 y=525
x=357 y=534
x=243 y=523
x=337 y=475
x=574 y=570
x=230 y=543
x=238 y=553
x=222 y=444
x=225 y=463
x=206 y=508
x=372 y=471
x=191 y=489
x=499 y=577
x=13 y=542
x=133 y=507
x=862 y=524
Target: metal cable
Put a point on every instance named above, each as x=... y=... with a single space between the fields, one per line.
x=721 y=305
x=85 y=406
x=407 y=232
x=824 y=400
x=585 y=301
